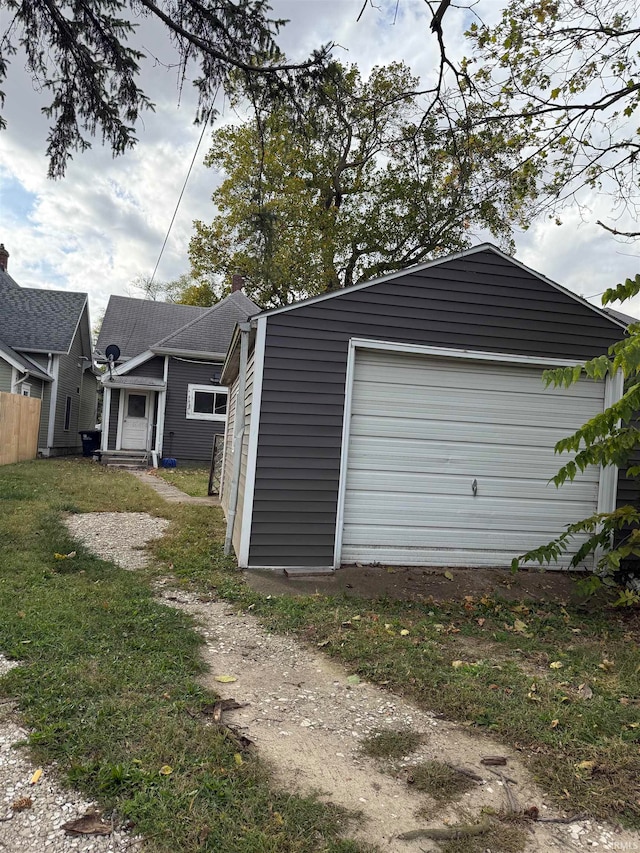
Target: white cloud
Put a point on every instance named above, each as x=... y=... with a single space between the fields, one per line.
x=105 y=222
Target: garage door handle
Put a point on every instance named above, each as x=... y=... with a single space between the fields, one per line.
x=474 y=487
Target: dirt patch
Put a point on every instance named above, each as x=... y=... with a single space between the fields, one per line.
x=308 y=719
x=400 y=583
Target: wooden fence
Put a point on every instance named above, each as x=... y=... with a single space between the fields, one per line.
x=19 y=425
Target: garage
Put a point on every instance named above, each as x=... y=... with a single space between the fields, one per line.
x=403 y=420
x=449 y=459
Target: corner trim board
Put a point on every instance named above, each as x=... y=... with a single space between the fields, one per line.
x=252 y=447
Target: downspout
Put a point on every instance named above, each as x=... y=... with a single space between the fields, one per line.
x=238 y=435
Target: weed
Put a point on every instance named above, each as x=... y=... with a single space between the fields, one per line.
x=499 y=839
x=391 y=743
x=440 y=781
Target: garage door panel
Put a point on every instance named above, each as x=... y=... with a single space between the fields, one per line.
x=459 y=457
x=465 y=375
x=365 y=482
x=423 y=428
x=451 y=511
x=496 y=408
x=439 y=555
x=483 y=540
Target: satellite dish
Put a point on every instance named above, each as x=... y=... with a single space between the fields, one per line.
x=112 y=352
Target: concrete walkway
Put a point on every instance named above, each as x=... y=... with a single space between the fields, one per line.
x=170 y=493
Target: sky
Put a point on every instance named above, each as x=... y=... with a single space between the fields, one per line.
x=103 y=225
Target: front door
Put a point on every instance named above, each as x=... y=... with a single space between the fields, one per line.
x=135 y=421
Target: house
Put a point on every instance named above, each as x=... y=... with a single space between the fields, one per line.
x=162 y=393
x=45 y=352
x=404 y=421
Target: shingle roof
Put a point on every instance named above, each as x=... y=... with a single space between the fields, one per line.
x=6 y=282
x=24 y=363
x=211 y=332
x=38 y=320
x=136 y=324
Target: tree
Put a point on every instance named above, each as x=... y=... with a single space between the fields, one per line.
x=352 y=185
x=567 y=74
x=82 y=52
x=609 y=438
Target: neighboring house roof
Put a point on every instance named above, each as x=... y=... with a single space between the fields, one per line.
x=618 y=315
x=6 y=282
x=21 y=362
x=211 y=332
x=141 y=326
x=39 y=320
x=136 y=324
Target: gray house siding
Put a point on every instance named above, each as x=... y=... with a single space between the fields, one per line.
x=44 y=416
x=113 y=419
x=36 y=386
x=192 y=439
x=5 y=376
x=478 y=302
x=69 y=381
x=153 y=368
x=88 y=401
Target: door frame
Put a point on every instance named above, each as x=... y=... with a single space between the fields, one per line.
x=613 y=390
x=124 y=399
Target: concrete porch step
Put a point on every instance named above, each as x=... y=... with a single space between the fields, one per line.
x=132 y=460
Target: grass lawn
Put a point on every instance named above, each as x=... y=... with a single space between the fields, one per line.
x=191 y=480
x=109 y=682
x=110 y=674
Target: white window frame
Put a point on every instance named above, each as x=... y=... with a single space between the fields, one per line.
x=25 y=389
x=201 y=416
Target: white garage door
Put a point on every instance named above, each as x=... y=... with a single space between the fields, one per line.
x=449 y=460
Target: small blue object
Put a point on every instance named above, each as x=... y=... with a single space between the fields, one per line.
x=168 y=462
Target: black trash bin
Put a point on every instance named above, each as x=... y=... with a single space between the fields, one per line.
x=90 y=441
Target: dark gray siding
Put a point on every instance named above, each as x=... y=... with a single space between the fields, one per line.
x=479 y=302
x=113 y=418
x=192 y=440
x=153 y=368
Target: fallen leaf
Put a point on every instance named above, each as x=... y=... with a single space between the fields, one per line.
x=533 y=698
x=21 y=804
x=238 y=759
x=404 y=633
x=323 y=643
x=555 y=724
x=165 y=770
x=519 y=626
x=481 y=622
x=623 y=700
x=456 y=664
x=353 y=679
x=585 y=691
x=556 y=665
x=36 y=776
x=448 y=576
x=586 y=766
x=90 y=823
x=606 y=665
x=224 y=679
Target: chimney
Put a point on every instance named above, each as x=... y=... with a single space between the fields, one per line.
x=4 y=258
x=237 y=282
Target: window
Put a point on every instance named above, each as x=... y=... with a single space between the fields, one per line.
x=25 y=389
x=207 y=402
x=67 y=414
x=137 y=406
